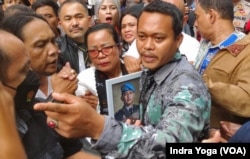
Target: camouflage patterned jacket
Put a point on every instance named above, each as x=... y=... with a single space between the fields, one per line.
x=174 y=107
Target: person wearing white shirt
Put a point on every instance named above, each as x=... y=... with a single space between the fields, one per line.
x=189 y=46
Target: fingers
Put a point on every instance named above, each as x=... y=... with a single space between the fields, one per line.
x=63 y=97
x=51 y=107
x=58 y=126
x=67 y=64
x=132 y=64
x=133 y=122
x=52 y=123
x=215 y=138
x=56 y=107
x=128 y=121
x=137 y=123
x=62 y=85
x=88 y=93
x=73 y=75
x=67 y=72
x=91 y=99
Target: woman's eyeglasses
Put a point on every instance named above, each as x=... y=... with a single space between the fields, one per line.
x=105 y=50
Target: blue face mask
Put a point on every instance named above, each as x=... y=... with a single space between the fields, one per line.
x=26 y=91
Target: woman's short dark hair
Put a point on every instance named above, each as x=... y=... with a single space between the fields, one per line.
x=103 y=26
x=128 y=11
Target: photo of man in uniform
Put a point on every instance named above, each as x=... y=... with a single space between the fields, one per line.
x=129 y=109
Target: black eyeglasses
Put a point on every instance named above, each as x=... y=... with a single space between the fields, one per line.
x=105 y=50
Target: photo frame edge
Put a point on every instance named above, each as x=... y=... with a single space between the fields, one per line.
x=109 y=88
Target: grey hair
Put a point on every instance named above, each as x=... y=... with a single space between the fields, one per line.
x=98 y=4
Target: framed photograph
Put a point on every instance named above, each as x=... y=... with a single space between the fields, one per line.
x=122 y=90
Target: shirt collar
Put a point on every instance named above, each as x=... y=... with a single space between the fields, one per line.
x=161 y=74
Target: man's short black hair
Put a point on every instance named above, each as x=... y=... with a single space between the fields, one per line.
x=40 y=3
x=224 y=7
x=166 y=9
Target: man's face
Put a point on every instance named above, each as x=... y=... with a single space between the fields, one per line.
x=156 y=42
x=74 y=20
x=39 y=39
x=8 y=3
x=19 y=60
x=128 y=98
x=202 y=22
x=48 y=13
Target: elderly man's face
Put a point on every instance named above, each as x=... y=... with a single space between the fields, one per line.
x=74 y=20
x=202 y=22
x=19 y=60
x=39 y=39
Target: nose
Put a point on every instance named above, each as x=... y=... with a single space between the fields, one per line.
x=148 y=45
x=126 y=28
x=74 y=21
x=101 y=55
x=53 y=49
x=108 y=10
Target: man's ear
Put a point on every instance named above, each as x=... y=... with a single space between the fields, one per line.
x=179 y=39
x=212 y=15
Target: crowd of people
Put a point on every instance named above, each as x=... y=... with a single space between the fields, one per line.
x=56 y=56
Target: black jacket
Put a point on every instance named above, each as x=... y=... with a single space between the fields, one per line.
x=40 y=141
x=69 y=53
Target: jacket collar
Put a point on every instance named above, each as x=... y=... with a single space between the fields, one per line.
x=236 y=48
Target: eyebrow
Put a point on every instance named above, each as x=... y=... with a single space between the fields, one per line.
x=104 y=44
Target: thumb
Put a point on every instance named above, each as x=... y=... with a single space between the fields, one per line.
x=67 y=64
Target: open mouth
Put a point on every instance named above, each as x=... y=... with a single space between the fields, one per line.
x=109 y=20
